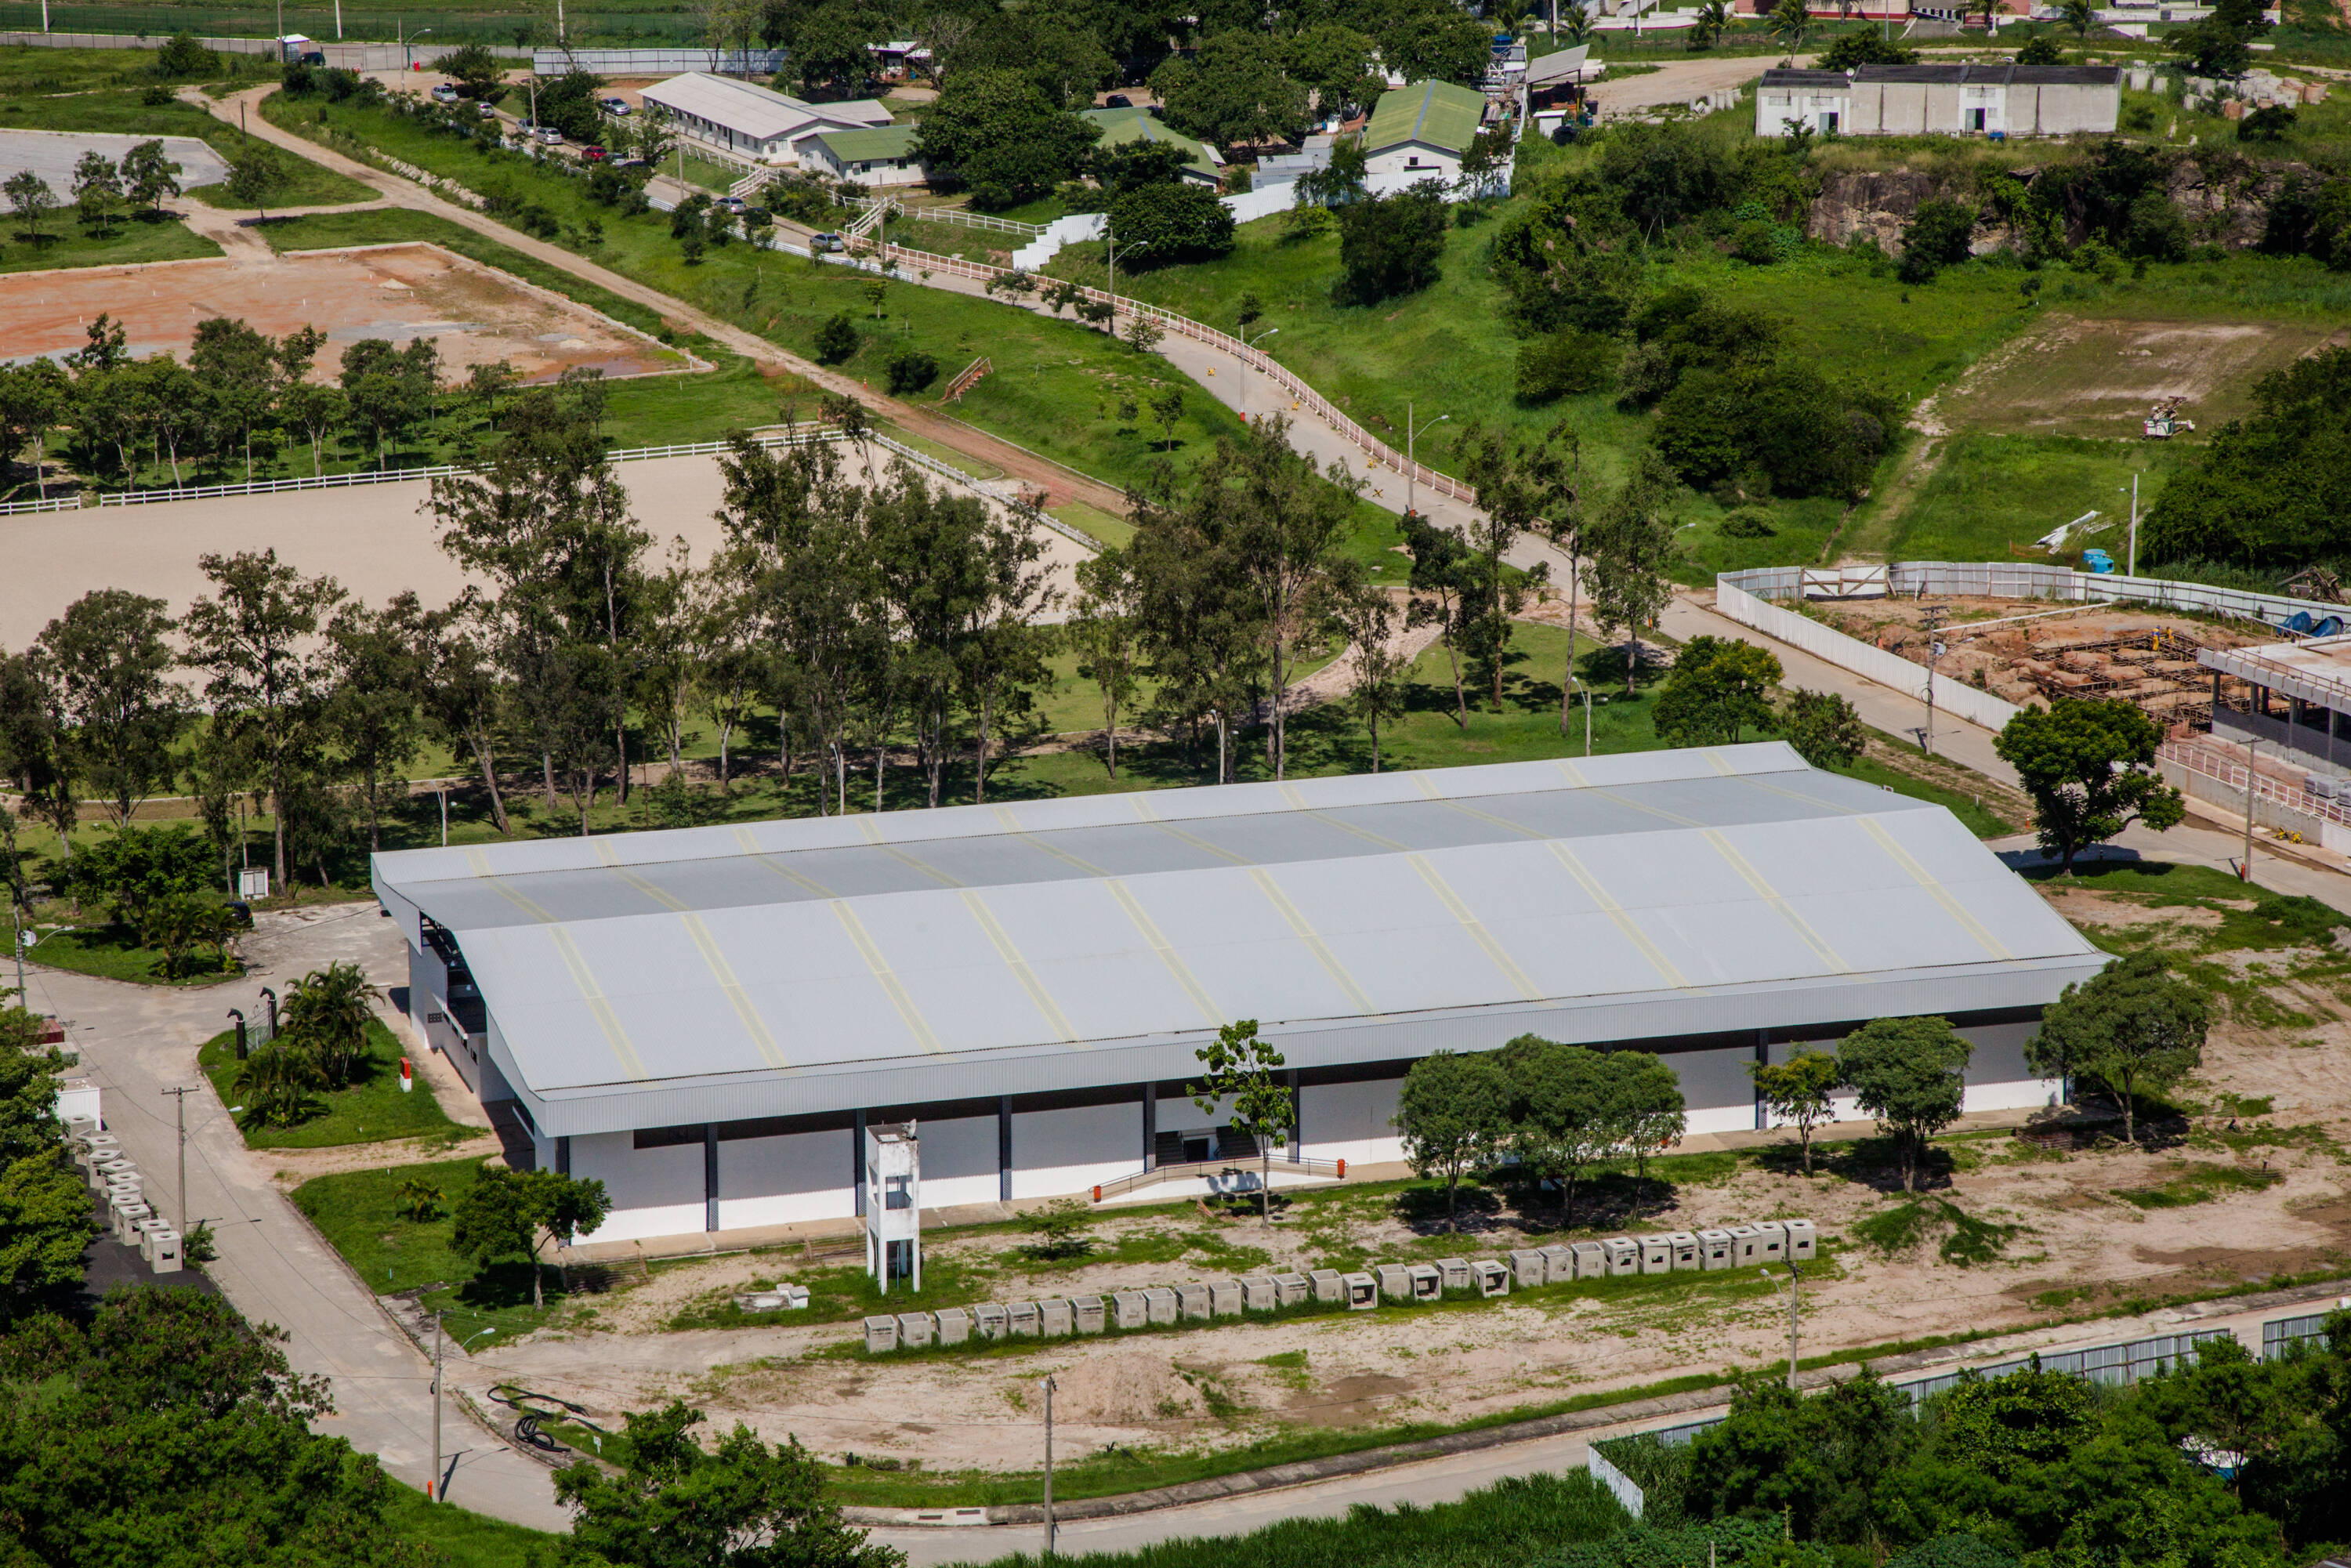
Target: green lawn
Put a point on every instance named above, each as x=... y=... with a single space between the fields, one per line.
x=1988 y=493
x=31 y=108
x=63 y=242
x=113 y=953
x=463 y=1538
x=359 y=1214
x=372 y=1109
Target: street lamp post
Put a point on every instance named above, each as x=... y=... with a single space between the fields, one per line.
x=2132 y=564
x=1411 y=465
x=1261 y=337
x=1795 y=1280
x=433 y=1489
x=408 y=46
x=1050 y=1530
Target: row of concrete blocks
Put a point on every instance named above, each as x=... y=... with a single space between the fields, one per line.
x=136 y=1223
x=1769 y=1241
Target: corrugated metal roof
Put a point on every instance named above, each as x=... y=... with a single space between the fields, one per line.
x=1434 y=113
x=865 y=146
x=713 y=974
x=1804 y=77
x=1123 y=125
x=759 y=112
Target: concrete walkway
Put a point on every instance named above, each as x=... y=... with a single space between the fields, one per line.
x=137 y=1042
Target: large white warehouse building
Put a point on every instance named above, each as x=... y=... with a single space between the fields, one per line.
x=706 y=1019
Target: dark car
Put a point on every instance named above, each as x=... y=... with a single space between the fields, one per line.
x=1118 y=100
x=314 y=58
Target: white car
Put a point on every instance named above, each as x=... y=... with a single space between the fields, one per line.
x=445 y=93
x=552 y=137
x=615 y=106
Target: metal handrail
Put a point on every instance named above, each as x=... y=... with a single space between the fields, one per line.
x=1157 y=1174
x=2198 y=757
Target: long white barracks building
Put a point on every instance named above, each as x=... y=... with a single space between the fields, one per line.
x=706 y=1019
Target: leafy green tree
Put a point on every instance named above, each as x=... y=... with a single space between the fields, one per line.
x=375 y=710
x=1391 y=245
x=1376 y=668
x=1630 y=543
x=1523 y=486
x=253 y=639
x=328 y=1012
x=739 y=1504
x=2088 y=764
x=122 y=711
x=2272 y=490
x=1647 y=1106
x=1290 y=525
x=1851 y=51
x=995 y=133
x=149 y=175
x=478 y=73
x=1424 y=39
x=1102 y=633
x=184 y=922
x=2217 y=44
x=31 y=197
x=1337 y=66
x=2040 y=50
x=29 y=1128
x=45 y=1225
x=389 y=390
x=131 y=871
x=98 y=191
x=1235 y=91
x=182 y=55
x=1937 y=236
x=1788 y=21
x=1824 y=728
x=1816 y=1462
x=257 y=176
x=275 y=1083
x=1241 y=1075
x=2133 y=1029
x=1800 y=1090
x=1718 y=687
x=501 y=1215
x=1454 y=1112
x=1562 y=1121
x=837 y=338
x=1169 y=221
x=1911 y=1074
x=1562 y=363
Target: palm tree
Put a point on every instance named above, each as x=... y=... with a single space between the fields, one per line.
x=1714 y=18
x=1789 y=20
x=274 y=1084
x=1574 y=21
x=327 y=1012
x=2079 y=15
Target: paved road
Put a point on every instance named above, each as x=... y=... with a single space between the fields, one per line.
x=139 y=1040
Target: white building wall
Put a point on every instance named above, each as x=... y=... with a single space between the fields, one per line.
x=1060 y=1152
x=959 y=1162
x=778 y=1181
x=654 y=1192
x=1351 y=1122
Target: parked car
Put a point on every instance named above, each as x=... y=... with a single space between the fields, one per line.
x=592 y=153
x=732 y=204
x=552 y=137
x=445 y=93
x=827 y=242
x=1118 y=100
x=486 y=109
x=314 y=58
x=630 y=163
x=614 y=106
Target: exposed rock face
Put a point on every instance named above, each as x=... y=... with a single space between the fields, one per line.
x=2231 y=208
x=1873 y=206
x=2226 y=202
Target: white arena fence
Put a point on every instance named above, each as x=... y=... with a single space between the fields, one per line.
x=53 y=504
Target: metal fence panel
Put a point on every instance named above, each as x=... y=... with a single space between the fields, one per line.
x=1620 y=1485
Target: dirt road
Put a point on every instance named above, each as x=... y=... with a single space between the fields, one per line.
x=1058 y=483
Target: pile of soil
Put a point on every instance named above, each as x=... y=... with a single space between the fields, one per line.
x=1127 y=1390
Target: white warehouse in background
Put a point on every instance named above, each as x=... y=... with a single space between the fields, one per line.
x=752 y=121
x=721 y=1023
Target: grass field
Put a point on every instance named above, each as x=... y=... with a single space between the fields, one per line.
x=65 y=242
x=371 y=1110
x=463 y=1538
x=1988 y=494
x=36 y=108
x=113 y=953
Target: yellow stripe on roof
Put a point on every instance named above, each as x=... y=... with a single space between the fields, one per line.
x=1676 y=818
x=1618 y=912
x=1476 y=927
x=1315 y=943
x=724 y=973
x=658 y=895
x=1166 y=951
x=1002 y=940
x=799 y=880
x=500 y=885
x=874 y=836
x=888 y=978
x=1575 y=775
x=1075 y=863
x=1770 y=895
x=1714 y=760
x=598 y=1005
x=1940 y=894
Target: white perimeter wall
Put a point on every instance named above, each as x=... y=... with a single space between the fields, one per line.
x=1058 y=1151
x=959 y=1162
x=654 y=1192
x=777 y=1181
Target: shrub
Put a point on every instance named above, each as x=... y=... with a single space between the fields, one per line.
x=1753 y=244
x=1391 y=245
x=1748 y=526
x=1171 y=221
x=1563 y=364
x=838 y=338
x=1935 y=237
x=155 y=97
x=181 y=56
x=911 y=369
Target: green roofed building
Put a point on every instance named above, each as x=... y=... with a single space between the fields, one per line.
x=1122 y=125
x=1420 y=130
x=884 y=155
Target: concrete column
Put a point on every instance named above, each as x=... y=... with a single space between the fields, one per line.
x=1762 y=1059
x=1297 y=1121
x=1004 y=1148
x=857 y=1161
x=710 y=1176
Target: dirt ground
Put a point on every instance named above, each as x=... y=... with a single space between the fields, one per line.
x=2022 y=652
x=2076 y=377
x=2273 y=1099
x=475 y=314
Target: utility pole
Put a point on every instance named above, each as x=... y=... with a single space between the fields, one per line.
x=1795 y=1281
x=1411 y=464
x=1934 y=651
x=180 y=1116
x=2133 y=567
x=432 y=1484
x=1049 y=1467
x=2245 y=868
x=444 y=816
